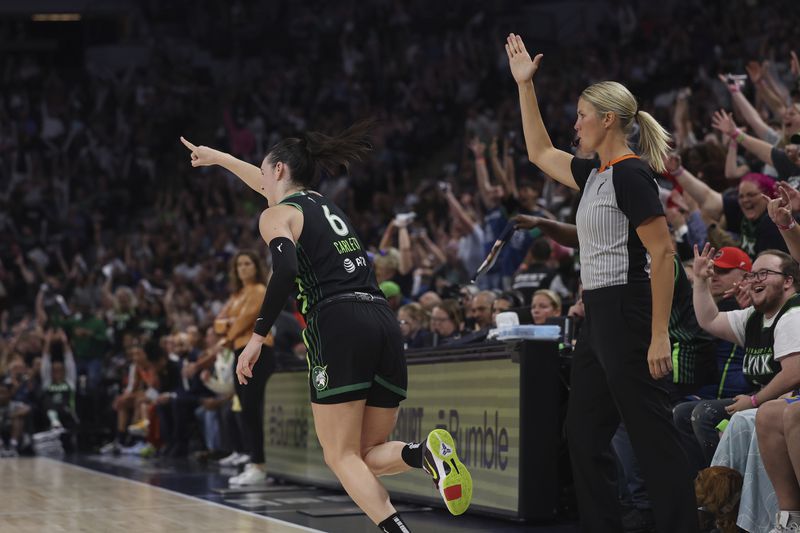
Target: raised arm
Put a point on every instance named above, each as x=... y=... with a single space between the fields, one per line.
x=733 y=170
x=709 y=200
x=772 y=91
x=478 y=149
x=681 y=122
x=70 y=368
x=432 y=247
x=780 y=211
x=510 y=170
x=498 y=165
x=458 y=211
x=388 y=234
x=723 y=122
x=708 y=316
x=203 y=156
x=406 y=263
x=745 y=108
x=46 y=369
x=551 y=161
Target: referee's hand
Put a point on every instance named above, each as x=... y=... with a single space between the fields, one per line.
x=659 y=356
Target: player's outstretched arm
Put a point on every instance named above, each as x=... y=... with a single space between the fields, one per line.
x=203 y=156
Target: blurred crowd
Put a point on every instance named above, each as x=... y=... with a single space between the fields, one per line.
x=116 y=257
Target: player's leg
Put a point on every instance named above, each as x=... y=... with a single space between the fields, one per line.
x=383 y=457
x=338 y=428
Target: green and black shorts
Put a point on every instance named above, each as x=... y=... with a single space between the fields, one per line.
x=355 y=352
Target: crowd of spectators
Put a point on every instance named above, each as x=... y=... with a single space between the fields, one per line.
x=115 y=255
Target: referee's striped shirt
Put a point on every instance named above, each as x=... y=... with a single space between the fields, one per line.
x=615 y=200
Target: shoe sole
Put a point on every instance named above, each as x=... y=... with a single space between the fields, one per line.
x=450 y=476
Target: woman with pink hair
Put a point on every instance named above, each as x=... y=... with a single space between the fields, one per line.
x=745 y=213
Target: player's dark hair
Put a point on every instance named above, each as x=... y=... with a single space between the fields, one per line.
x=313 y=151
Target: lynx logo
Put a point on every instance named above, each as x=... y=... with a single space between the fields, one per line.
x=349 y=266
x=319 y=377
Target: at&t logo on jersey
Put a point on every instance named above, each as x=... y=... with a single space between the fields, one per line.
x=351 y=266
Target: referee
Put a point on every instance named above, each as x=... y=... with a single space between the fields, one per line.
x=627 y=273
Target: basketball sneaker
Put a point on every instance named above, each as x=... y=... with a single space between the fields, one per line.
x=450 y=476
x=252 y=475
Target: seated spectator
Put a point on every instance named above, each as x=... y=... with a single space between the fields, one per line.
x=535 y=272
x=447 y=322
x=12 y=422
x=393 y=294
x=545 y=304
x=480 y=310
x=59 y=380
x=429 y=300
x=220 y=384
x=413 y=320
x=778 y=431
x=126 y=404
x=506 y=301
x=767 y=330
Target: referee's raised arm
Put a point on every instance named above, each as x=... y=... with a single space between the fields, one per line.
x=553 y=162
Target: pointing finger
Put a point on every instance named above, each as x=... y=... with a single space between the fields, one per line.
x=187 y=144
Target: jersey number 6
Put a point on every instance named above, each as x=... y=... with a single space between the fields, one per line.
x=337 y=224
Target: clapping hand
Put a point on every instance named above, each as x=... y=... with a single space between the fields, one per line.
x=522 y=67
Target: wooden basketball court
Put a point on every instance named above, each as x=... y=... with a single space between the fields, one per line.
x=41 y=494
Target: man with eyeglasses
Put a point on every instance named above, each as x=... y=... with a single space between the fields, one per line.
x=769 y=331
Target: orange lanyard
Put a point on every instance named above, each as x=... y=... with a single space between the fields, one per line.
x=617 y=160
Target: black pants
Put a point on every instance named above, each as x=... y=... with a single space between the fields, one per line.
x=697 y=425
x=174 y=423
x=251 y=396
x=611 y=382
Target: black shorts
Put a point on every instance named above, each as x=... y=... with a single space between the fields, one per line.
x=355 y=352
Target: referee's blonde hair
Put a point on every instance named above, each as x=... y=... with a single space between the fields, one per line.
x=613 y=97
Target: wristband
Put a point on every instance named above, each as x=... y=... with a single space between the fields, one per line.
x=677 y=172
x=787 y=228
x=737 y=135
x=754 y=400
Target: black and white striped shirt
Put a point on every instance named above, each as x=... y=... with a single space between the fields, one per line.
x=615 y=200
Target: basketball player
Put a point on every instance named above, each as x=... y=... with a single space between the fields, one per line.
x=357 y=368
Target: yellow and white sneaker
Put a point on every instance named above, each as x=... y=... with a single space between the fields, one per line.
x=450 y=476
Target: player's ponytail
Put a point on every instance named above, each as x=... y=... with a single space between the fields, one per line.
x=314 y=150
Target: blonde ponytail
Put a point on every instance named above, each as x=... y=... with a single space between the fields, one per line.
x=613 y=97
x=653 y=141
